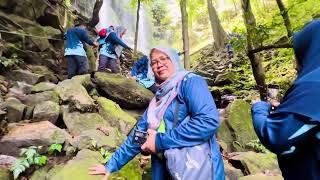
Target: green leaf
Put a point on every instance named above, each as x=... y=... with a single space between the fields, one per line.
x=43 y=160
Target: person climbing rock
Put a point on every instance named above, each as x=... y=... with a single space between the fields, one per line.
x=178 y=128
x=74 y=51
x=142 y=73
x=292 y=131
x=107 y=55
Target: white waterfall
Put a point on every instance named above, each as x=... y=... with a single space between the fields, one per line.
x=118 y=12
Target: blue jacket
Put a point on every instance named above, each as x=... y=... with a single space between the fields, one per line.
x=75 y=38
x=292 y=138
x=196 y=101
x=109 y=44
x=140 y=67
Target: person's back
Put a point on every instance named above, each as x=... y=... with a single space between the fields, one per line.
x=292 y=131
x=74 y=52
x=75 y=37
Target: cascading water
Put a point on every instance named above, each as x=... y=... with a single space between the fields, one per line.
x=118 y=12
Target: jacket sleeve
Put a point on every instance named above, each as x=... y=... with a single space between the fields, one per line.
x=204 y=117
x=114 y=38
x=280 y=133
x=128 y=150
x=84 y=37
x=137 y=65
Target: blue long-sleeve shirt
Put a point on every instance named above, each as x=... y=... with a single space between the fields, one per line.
x=291 y=138
x=109 y=44
x=196 y=101
x=75 y=38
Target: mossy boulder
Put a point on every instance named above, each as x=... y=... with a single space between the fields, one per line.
x=26 y=76
x=5 y=174
x=127 y=93
x=262 y=177
x=46 y=172
x=115 y=116
x=111 y=140
x=253 y=163
x=15 y=109
x=237 y=130
x=46 y=72
x=31 y=134
x=46 y=111
x=225 y=79
x=84 y=80
x=33 y=99
x=91 y=59
x=43 y=86
x=73 y=92
x=77 y=122
x=130 y=171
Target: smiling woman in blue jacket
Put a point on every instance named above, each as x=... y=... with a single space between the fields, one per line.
x=293 y=131
x=181 y=115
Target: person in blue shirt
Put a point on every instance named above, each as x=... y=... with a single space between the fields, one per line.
x=74 y=51
x=190 y=93
x=142 y=73
x=292 y=131
x=107 y=55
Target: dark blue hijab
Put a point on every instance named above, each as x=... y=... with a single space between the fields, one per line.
x=304 y=95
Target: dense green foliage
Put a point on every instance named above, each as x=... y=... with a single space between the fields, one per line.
x=29 y=156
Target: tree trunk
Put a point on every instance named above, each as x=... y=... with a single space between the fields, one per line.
x=256 y=62
x=95 y=14
x=185 y=35
x=218 y=32
x=137 y=29
x=284 y=14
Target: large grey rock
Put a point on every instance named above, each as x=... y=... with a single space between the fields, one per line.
x=127 y=93
x=21 y=88
x=46 y=72
x=237 y=129
x=43 y=86
x=7 y=160
x=26 y=76
x=46 y=111
x=110 y=141
x=254 y=163
x=31 y=134
x=73 y=92
x=115 y=116
x=77 y=122
x=33 y=99
x=15 y=109
x=262 y=177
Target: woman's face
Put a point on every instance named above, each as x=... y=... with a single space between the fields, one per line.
x=161 y=65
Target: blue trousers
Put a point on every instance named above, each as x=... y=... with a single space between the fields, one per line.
x=77 y=65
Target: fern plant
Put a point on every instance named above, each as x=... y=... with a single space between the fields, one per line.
x=29 y=156
x=256 y=145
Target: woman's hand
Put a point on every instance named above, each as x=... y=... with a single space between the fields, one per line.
x=150 y=145
x=99 y=169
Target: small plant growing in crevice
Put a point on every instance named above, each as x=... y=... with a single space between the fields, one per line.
x=29 y=156
x=103 y=151
x=256 y=146
x=54 y=148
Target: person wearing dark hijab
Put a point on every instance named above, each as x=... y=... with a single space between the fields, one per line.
x=292 y=131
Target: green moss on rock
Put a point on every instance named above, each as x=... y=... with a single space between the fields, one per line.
x=116 y=117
